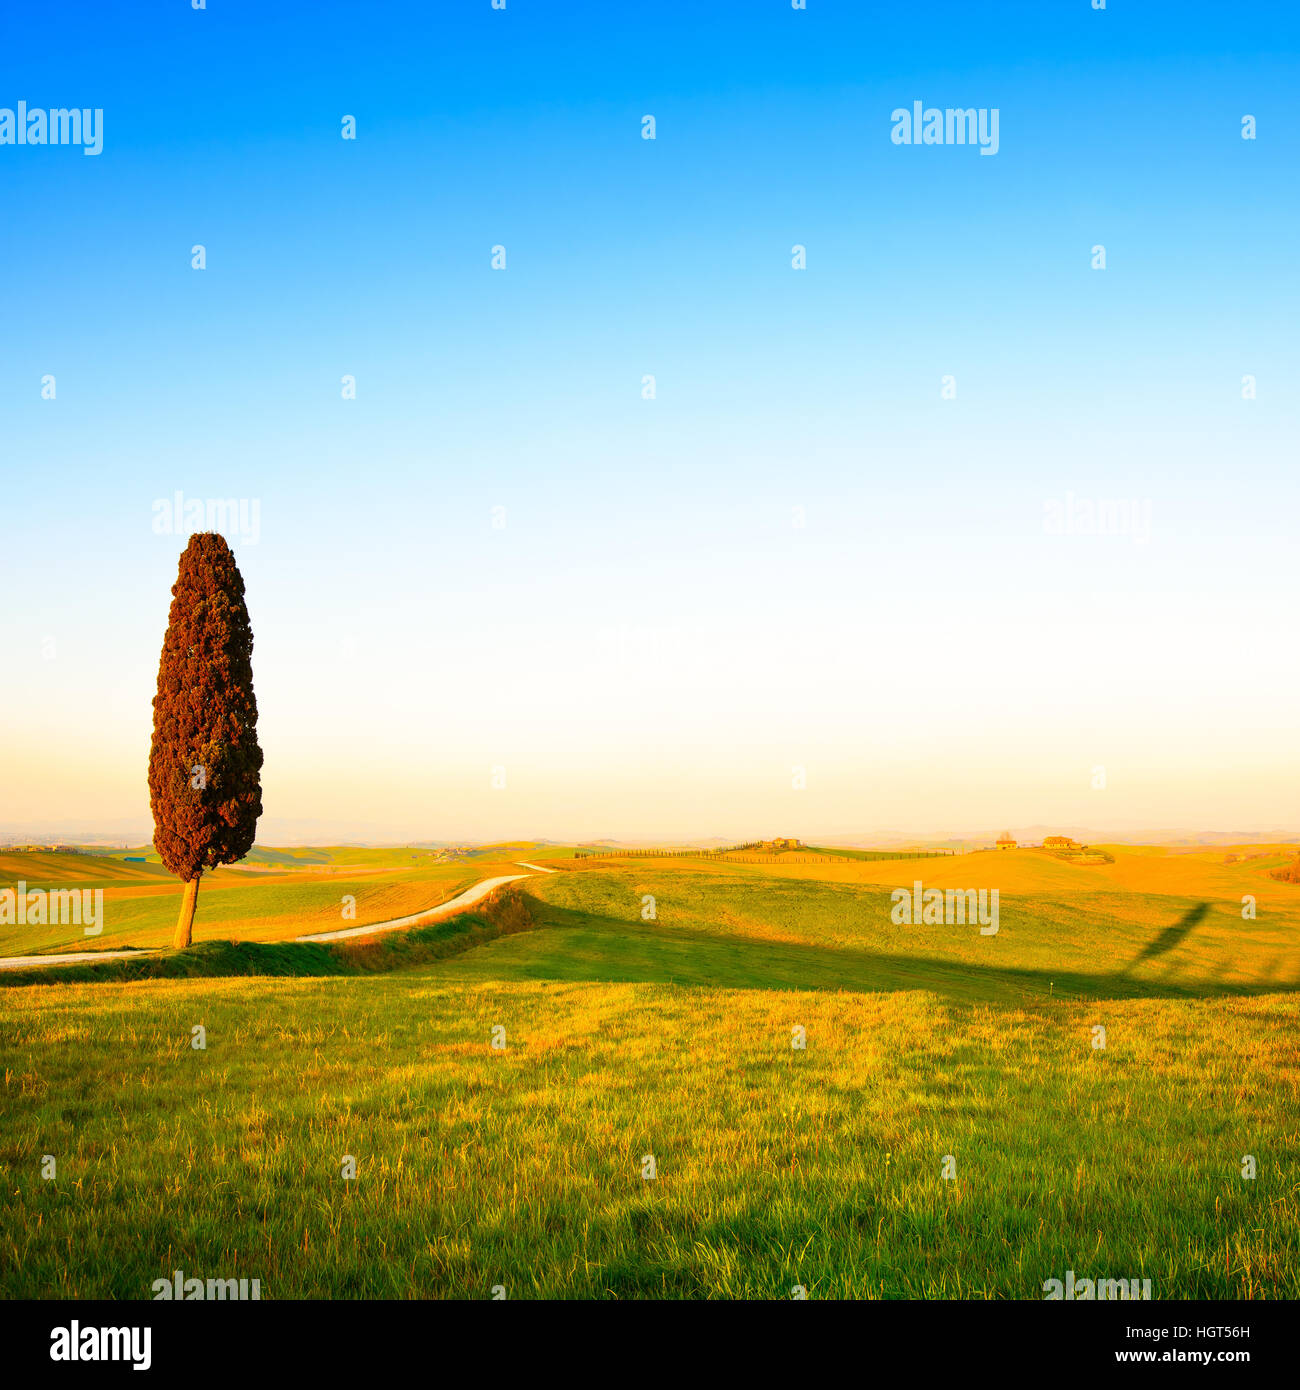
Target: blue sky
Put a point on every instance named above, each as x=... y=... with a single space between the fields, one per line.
x=650 y=641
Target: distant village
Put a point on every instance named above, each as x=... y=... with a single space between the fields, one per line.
x=1052 y=842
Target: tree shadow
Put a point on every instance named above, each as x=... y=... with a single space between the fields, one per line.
x=612 y=950
x=1170 y=937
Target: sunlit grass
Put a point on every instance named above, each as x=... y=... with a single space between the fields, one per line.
x=672 y=1037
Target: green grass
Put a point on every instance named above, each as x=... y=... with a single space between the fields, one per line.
x=141 y=901
x=672 y=1037
x=494 y=916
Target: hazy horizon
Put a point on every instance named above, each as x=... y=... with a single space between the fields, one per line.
x=298 y=835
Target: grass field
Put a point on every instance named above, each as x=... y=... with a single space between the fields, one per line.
x=671 y=1037
x=272 y=896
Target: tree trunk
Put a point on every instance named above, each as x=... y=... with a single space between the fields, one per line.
x=185 y=922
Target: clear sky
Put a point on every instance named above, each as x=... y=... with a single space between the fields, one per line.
x=652 y=643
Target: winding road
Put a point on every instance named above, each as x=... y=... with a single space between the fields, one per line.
x=459 y=903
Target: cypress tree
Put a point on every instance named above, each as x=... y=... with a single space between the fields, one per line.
x=205 y=785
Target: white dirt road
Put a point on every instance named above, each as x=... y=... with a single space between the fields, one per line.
x=459 y=903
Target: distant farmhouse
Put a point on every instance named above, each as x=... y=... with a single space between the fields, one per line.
x=775 y=846
x=1059 y=842
x=1005 y=841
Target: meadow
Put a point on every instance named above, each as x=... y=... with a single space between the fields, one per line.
x=272 y=896
x=630 y=1036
